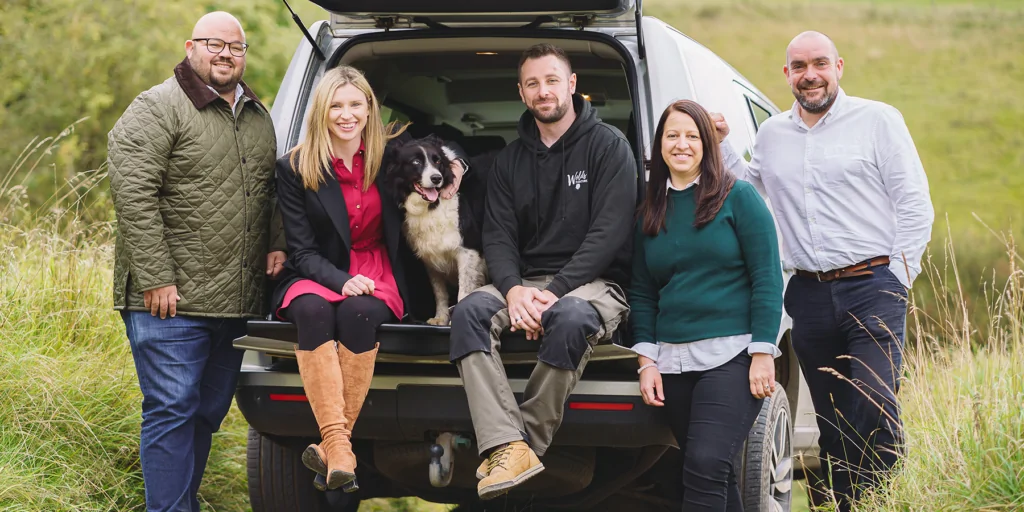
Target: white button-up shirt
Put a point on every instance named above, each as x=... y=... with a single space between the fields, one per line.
x=700 y=355
x=846 y=190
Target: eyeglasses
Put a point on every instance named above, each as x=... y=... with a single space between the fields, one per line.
x=216 y=46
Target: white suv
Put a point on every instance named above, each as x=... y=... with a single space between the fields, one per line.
x=450 y=66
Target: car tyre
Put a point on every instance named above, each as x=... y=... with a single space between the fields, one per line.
x=767 y=470
x=279 y=482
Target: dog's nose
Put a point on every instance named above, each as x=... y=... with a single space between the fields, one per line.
x=436 y=179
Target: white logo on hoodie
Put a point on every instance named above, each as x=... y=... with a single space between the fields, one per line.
x=577 y=179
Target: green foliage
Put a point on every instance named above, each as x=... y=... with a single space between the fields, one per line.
x=67 y=59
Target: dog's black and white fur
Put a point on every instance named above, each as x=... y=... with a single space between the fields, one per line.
x=444 y=233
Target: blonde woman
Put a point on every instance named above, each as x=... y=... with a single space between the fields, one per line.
x=344 y=276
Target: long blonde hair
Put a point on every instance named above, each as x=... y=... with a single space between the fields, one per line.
x=315 y=154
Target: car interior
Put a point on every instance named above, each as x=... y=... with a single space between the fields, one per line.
x=465 y=89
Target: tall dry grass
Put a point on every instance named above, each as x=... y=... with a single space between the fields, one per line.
x=963 y=397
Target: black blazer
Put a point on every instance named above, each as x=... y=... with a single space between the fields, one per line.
x=316 y=227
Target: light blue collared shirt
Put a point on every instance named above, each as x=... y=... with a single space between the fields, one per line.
x=846 y=190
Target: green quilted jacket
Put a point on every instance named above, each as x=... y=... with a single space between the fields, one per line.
x=193 y=190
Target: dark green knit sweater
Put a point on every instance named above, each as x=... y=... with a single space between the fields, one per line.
x=724 y=279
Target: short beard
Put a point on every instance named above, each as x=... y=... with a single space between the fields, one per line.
x=555 y=116
x=207 y=76
x=819 y=106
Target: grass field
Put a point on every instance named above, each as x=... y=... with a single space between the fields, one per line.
x=69 y=402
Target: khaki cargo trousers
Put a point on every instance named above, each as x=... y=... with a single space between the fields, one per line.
x=576 y=323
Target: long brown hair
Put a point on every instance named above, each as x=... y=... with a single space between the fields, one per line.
x=315 y=154
x=715 y=183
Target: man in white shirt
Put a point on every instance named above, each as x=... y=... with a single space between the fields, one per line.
x=851 y=198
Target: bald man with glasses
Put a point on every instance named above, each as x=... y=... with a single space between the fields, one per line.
x=191 y=165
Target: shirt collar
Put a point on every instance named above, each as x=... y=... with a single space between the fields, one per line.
x=239 y=92
x=691 y=184
x=833 y=111
x=199 y=93
x=361 y=152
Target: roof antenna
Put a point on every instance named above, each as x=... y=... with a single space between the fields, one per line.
x=302 y=27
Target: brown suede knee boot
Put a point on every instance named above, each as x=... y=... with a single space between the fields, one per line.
x=358 y=372
x=323 y=381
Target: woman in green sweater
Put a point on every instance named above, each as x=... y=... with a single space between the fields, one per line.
x=706 y=301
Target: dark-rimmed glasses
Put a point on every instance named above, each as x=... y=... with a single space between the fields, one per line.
x=215 y=46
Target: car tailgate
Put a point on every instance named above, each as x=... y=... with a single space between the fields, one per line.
x=405 y=343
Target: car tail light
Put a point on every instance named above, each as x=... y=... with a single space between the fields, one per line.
x=283 y=397
x=601 y=406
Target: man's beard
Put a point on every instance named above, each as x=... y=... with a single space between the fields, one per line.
x=819 y=106
x=553 y=116
x=220 y=84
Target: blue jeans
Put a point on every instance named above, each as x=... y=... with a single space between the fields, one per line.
x=855 y=327
x=188 y=371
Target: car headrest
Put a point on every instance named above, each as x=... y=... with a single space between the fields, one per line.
x=480 y=144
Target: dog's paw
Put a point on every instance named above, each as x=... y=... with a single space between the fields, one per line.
x=438 y=320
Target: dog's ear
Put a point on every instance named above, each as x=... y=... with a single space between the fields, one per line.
x=433 y=139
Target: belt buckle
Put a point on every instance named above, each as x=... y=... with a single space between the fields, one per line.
x=818 y=275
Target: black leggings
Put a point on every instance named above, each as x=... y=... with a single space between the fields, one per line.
x=710 y=413
x=353 y=322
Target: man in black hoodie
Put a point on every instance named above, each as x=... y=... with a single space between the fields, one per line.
x=557 y=224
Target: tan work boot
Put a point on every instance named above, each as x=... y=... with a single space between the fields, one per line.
x=358 y=372
x=324 y=386
x=509 y=466
x=481 y=470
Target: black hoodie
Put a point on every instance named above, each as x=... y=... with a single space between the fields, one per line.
x=567 y=210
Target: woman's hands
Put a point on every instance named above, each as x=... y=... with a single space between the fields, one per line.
x=449 y=190
x=358 y=285
x=762 y=375
x=650 y=384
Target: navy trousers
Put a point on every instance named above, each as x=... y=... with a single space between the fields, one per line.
x=848 y=336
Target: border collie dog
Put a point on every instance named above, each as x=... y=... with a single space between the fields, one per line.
x=444 y=233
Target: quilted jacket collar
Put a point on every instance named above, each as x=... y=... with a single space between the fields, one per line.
x=198 y=92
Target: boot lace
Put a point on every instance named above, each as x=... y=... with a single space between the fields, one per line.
x=499 y=458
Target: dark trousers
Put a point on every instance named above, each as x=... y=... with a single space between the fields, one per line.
x=188 y=371
x=352 y=322
x=848 y=337
x=710 y=413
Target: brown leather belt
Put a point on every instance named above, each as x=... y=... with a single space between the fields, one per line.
x=858 y=269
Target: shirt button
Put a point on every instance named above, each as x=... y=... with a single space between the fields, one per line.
x=246 y=193
x=243 y=159
x=357 y=206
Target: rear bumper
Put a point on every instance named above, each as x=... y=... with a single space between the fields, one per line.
x=409 y=408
